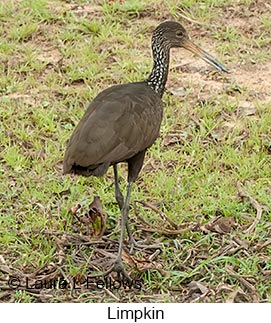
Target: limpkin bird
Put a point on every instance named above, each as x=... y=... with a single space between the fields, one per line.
x=123 y=121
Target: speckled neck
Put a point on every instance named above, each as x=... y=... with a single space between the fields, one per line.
x=158 y=77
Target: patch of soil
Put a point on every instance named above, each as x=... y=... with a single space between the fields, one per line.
x=256 y=79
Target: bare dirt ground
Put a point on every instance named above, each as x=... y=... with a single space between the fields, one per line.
x=251 y=78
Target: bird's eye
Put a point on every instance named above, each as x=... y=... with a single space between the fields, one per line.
x=179 y=34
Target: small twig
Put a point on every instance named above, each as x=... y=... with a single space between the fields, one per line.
x=167 y=231
x=155 y=209
x=197 y=123
x=65 y=276
x=5 y=269
x=197 y=299
x=156 y=229
x=256 y=206
x=189 y=19
x=5 y=294
x=242 y=280
x=111 y=294
x=234 y=293
x=260 y=246
x=154 y=255
x=139 y=216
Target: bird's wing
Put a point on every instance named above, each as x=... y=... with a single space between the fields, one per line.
x=114 y=129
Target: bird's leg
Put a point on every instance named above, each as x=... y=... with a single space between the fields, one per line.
x=134 y=166
x=118 y=194
x=118 y=265
x=120 y=200
x=133 y=244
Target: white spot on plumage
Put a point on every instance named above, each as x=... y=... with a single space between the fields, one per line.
x=158 y=76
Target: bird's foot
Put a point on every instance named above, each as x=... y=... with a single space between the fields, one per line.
x=118 y=267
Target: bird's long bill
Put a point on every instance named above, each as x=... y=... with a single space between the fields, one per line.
x=189 y=45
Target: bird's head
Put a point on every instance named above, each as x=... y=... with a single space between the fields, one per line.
x=171 y=34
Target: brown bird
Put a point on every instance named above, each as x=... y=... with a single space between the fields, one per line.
x=123 y=121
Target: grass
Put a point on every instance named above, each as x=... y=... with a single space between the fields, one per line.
x=55 y=57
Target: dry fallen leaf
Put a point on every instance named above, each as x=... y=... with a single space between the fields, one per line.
x=95 y=209
x=197 y=287
x=247 y=108
x=2 y=260
x=234 y=296
x=221 y=225
x=141 y=264
x=94 y=220
x=74 y=210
